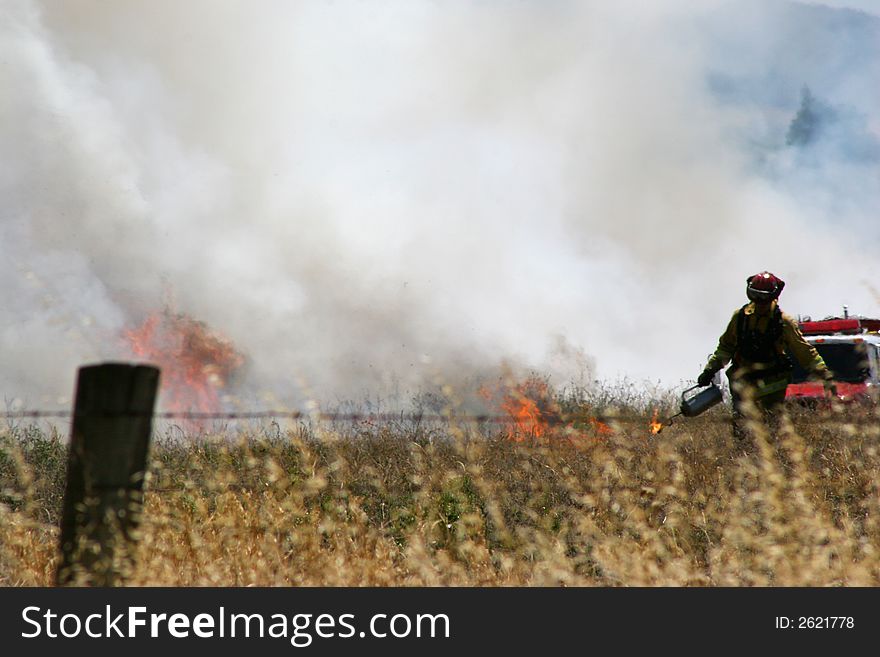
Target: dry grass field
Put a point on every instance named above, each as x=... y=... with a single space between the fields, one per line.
x=415 y=504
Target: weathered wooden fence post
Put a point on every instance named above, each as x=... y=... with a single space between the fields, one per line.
x=106 y=467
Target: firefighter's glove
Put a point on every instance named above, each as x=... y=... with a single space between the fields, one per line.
x=705 y=378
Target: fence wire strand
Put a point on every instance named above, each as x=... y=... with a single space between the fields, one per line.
x=259 y=415
x=551 y=419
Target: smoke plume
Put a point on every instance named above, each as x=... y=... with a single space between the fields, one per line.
x=373 y=198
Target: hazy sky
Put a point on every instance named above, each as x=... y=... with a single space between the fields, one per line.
x=381 y=196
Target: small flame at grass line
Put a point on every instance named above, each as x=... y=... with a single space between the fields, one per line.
x=654 y=426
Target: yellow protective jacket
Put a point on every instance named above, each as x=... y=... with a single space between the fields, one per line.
x=772 y=372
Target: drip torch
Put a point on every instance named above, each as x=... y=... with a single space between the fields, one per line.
x=695 y=404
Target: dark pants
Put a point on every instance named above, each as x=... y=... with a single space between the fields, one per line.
x=748 y=409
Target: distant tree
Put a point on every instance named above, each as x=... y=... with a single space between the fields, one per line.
x=807 y=123
x=844 y=131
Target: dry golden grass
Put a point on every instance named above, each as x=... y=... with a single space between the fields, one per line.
x=411 y=505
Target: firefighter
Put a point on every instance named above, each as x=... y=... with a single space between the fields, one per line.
x=756 y=341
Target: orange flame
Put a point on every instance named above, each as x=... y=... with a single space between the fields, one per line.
x=196 y=362
x=529 y=403
x=529 y=419
x=600 y=427
x=536 y=413
x=654 y=426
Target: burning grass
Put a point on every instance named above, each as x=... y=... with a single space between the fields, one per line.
x=414 y=504
x=196 y=361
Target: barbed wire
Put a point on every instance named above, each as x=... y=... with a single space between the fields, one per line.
x=549 y=418
x=243 y=415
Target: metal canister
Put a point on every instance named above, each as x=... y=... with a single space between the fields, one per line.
x=700 y=402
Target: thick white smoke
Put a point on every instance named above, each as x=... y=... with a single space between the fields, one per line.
x=368 y=197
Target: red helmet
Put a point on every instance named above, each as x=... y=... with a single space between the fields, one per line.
x=764 y=286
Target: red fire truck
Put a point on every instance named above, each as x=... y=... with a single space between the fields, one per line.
x=850 y=347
